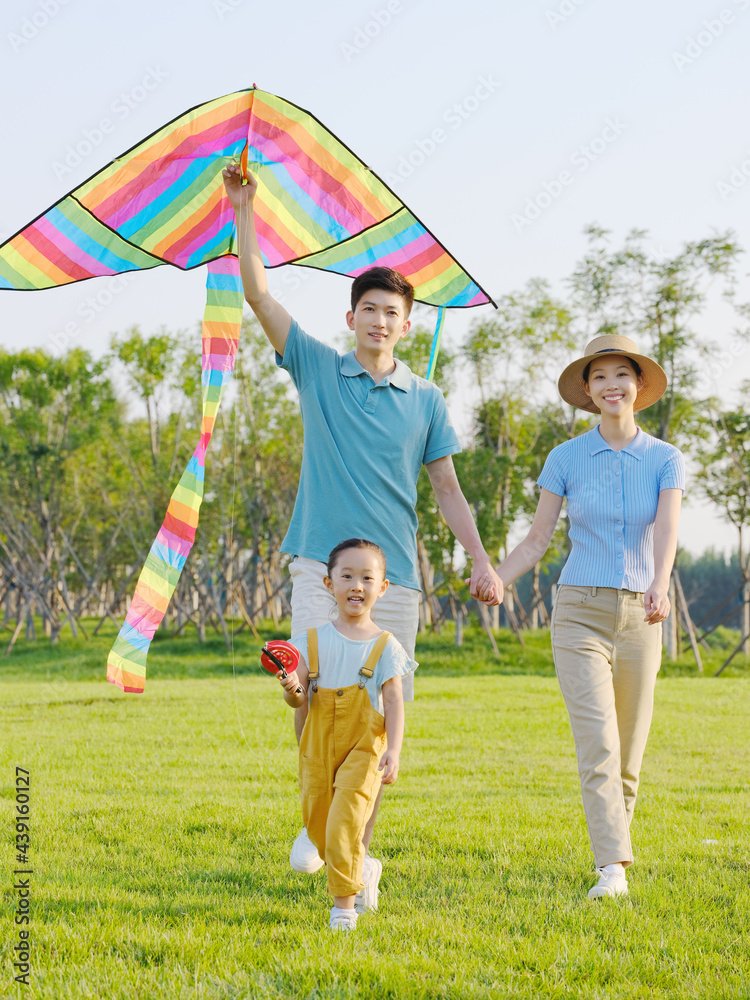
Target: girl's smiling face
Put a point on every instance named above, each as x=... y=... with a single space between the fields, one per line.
x=613 y=384
x=357 y=580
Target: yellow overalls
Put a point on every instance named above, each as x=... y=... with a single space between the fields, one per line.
x=339 y=752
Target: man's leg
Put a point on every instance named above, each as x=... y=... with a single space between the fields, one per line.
x=312 y=606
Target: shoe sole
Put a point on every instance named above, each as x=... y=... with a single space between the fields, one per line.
x=606 y=894
x=306 y=868
x=359 y=901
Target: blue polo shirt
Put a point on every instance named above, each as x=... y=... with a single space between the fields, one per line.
x=365 y=443
x=612 y=498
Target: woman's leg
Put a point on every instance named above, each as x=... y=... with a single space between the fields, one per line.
x=583 y=630
x=636 y=663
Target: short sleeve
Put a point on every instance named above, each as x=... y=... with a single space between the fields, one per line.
x=442 y=439
x=672 y=473
x=394 y=662
x=552 y=476
x=300 y=643
x=303 y=356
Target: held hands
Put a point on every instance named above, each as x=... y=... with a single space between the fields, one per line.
x=389 y=766
x=656 y=604
x=485 y=585
x=239 y=194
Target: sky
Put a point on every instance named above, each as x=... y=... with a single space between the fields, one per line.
x=506 y=127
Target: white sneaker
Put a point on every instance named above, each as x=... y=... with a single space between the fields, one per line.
x=304 y=855
x=343 y=920
x=367 y=898
x=612 y=882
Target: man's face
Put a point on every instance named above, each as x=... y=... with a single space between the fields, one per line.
x=379 y=321
x=613 y=385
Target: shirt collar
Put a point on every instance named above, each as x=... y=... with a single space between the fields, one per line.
x=400 y=377
x=636 y=447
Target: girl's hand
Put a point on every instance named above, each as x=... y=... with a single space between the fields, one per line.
x=389 y=766
x=238 y=193
x=290 y=682
x=656 y=604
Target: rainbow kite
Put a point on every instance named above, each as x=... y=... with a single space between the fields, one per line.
x=163 y=202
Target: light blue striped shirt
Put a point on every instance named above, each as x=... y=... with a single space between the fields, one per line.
x=612 y=498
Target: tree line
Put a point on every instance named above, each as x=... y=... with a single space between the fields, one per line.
x=90 y=449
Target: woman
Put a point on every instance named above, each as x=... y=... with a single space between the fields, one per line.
x=623 y=489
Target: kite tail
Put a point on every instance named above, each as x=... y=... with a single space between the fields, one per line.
x=126 y=664
x=436 y=338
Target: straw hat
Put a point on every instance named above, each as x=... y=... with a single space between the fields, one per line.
x=571 y=383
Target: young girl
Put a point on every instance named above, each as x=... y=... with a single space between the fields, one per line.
x=350 y=671
x=624 y=490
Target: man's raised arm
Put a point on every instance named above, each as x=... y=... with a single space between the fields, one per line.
x=271 y=315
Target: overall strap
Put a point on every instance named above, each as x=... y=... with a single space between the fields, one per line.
x=372 y=660
x=312 y=657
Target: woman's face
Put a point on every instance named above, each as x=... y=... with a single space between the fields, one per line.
x=613 y=384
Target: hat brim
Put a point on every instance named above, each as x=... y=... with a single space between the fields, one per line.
x=571 y=385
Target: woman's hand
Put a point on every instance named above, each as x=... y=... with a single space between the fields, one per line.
x=656 y=603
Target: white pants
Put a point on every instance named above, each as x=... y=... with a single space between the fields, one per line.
x=397 y=611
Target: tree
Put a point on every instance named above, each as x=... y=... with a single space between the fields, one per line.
x=514 y=359
x=656 y=301
x=725 y=479
x=53 y=412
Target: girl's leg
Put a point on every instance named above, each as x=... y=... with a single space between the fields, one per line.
x=344 y=849
x=583 y=644
x=354 y=791
x=344 y=902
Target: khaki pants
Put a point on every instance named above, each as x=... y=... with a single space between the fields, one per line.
x=607 y=659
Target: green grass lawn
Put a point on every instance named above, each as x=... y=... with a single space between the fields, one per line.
x=161 y=828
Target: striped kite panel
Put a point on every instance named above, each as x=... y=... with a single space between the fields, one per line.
x=403 y=243
x=163 y=201
x=126 y=665
x=67 y=244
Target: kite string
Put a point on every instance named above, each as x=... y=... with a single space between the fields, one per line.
x=231 y=617
x=274 y=755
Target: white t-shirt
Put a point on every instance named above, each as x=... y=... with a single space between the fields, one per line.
x=340 y=659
